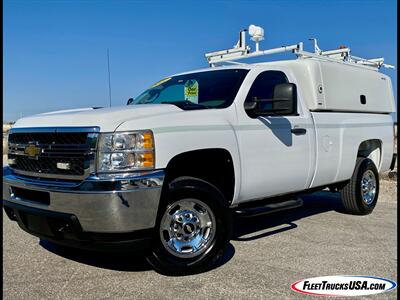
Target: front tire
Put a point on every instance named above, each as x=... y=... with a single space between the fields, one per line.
x=193 y=228
x=360 y=195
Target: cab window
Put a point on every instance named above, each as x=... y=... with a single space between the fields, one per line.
x=263 y=87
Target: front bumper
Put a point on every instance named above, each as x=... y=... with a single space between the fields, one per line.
x=92 y=207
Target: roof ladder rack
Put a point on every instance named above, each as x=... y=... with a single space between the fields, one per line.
x=242 y=51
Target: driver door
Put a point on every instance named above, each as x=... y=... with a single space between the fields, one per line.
x=275 y=159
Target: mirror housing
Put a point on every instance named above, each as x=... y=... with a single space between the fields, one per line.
x=286 y=93
x=284 y=102
x=130 y=100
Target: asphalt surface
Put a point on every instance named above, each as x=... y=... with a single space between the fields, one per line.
x=266 y=256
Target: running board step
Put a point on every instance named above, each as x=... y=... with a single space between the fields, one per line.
x=269 y=208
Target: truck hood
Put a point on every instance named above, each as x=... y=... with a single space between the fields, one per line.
x=108 y=119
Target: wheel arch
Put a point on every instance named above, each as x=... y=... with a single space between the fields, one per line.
x=214 y=165
x=371 y=149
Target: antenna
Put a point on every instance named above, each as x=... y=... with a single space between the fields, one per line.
x=109 y=75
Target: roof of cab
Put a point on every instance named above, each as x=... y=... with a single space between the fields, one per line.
x=239 y=66
x=290 y=62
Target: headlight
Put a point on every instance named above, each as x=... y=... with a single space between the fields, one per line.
x=125 y=151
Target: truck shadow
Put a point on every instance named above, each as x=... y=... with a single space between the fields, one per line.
x=134 y=261
x=245 y=229
x=124 y=261
x=280 y=127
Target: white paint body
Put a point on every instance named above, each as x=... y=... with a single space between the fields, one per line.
x=268 y=160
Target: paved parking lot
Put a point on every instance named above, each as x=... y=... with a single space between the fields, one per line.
x=267 y=254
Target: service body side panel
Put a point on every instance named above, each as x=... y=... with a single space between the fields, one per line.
x=344 y=85
x=339 y=136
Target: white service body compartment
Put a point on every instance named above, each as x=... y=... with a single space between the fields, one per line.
x=344 y=85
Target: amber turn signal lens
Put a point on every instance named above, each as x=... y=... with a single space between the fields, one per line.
x=148 y=159
x=148 y=140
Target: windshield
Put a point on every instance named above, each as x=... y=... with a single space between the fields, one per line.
x=210 y=89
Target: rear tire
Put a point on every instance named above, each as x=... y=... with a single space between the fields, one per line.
x=193 y=228
x=360 y=195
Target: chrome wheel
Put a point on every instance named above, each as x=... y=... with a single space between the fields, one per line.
x=187 y=228
x=368 y=187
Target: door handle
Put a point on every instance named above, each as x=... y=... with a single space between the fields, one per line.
x=298 y=131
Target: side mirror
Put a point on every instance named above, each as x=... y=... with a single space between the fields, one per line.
x=285 y=98
x=130 y=100
x=284 y=102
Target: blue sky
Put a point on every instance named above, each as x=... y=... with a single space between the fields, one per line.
x=55 y=52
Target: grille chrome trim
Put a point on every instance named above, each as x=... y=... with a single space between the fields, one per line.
x=55 y=176
x=55 y=129
x=50 y=153
x=52 y=149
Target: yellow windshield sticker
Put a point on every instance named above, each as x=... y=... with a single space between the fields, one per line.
x=192 y=91
x=160 y=82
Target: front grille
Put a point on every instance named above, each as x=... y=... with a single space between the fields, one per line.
x=48 y=165
x=68 y=155
x=61 y=138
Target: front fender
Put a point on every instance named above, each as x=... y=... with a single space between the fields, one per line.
x=186 y=131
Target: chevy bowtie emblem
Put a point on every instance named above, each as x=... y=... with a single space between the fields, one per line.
x=32 y=150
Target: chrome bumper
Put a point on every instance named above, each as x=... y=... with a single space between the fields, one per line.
x=114 y=205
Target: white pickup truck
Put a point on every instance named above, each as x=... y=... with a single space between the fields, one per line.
x=167 y=171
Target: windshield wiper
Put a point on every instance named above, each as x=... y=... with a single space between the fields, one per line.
x=185 y=104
